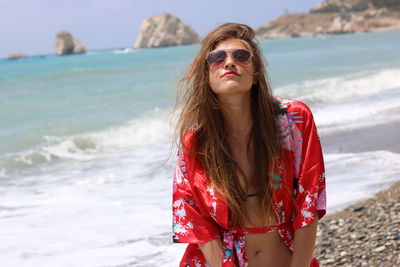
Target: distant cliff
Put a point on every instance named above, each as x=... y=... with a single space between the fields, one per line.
x=332 y=6
x=335 y=17
x=165 y=30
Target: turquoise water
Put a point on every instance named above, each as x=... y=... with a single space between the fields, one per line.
x=297 y=60
x=73 y=94
x=69 y=95
x=85 y=178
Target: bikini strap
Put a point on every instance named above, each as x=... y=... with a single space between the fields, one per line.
x=258 y=230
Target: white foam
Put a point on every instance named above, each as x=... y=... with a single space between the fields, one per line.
x=124 y=51
x=356 y=176
x=95 y=213
x=147 y=130
x=351 y=101
x=2 y=172
x=358 y=113
x=347 y=87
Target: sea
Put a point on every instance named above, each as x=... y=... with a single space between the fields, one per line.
x=86 y=156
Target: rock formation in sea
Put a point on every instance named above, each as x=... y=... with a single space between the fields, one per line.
x=17 y=56
x=66 y=44
x=335 y=17
x=78 y=47
x=165 y=30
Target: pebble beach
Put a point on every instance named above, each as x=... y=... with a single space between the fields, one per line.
x=366 y=233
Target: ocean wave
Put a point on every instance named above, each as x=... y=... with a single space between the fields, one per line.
x=377 y=109
x=147 y=130
x=337 y=89
x=352 y=101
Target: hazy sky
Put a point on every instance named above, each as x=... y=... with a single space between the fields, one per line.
x=30 y=26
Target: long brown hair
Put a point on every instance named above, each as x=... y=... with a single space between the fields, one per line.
x=201 y=110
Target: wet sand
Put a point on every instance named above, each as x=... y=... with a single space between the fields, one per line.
x=372 y=138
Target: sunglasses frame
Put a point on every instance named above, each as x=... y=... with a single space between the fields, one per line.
x=231 y=53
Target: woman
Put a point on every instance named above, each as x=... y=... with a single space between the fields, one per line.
x=249 y=184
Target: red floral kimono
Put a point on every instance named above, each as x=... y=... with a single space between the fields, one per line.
x=201 y=215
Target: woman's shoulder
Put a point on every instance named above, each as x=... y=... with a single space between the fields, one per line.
x=293 y=106
x=189 y=139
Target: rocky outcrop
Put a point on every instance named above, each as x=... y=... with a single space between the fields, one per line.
x=66 y=44
x=78 y=47
x=165 y=30
x=331 y=6
x=17 y=56
x=331 y=18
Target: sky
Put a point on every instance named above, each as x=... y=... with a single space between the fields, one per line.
x=30 y=26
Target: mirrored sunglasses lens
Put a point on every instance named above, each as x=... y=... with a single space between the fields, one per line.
x=241 y=55
x=216 y=57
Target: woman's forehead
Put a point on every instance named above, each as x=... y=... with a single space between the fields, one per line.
x=231 y=43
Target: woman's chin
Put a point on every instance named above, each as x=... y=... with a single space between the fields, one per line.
x=233 y=89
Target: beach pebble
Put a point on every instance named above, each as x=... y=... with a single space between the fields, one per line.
x=343 y=253
x=329 y=261
x=358 y=208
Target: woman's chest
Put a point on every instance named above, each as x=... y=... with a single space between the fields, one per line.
x=282 y=180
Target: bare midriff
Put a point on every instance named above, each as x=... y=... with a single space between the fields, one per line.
x=262 y=249
x=265 y=249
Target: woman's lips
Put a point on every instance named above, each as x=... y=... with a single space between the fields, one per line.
x=230 y=74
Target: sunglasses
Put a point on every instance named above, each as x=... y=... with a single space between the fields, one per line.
x=217 y=57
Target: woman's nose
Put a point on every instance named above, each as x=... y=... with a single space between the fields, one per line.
x=229 y=62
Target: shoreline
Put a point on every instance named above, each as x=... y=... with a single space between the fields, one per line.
x=364 y=139
x=366 y=232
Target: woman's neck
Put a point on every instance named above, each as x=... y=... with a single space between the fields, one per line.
x=237 y=114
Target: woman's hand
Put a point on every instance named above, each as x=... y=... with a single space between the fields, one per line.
x=213 y=252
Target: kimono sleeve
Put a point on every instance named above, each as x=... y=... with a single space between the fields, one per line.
x=311 y=194
x=189 y=224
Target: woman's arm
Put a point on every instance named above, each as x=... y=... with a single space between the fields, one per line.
x=213 y=252
x=304 y=242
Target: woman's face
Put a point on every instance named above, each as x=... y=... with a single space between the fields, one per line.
x=231 y=77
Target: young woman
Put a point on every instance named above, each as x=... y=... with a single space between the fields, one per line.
x=249 y=184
